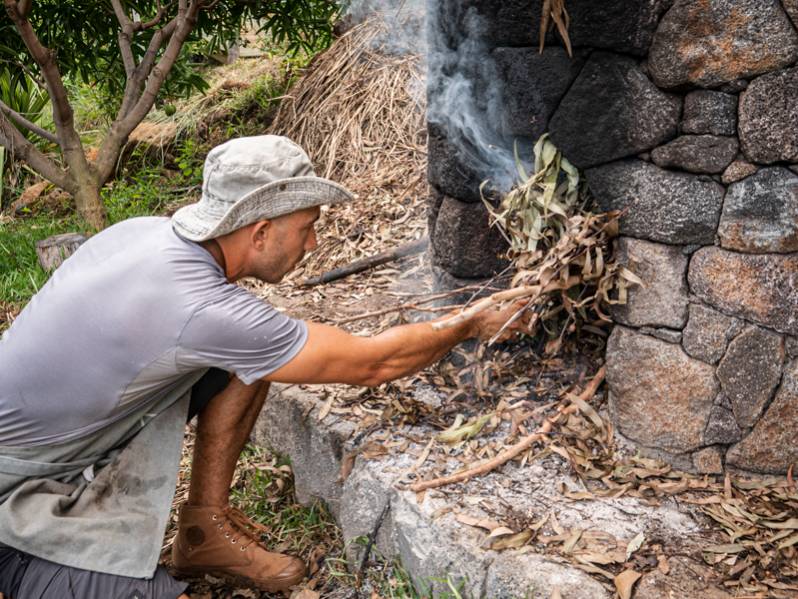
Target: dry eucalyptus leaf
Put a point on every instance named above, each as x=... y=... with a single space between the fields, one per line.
x=625 y=581
x=512 y=542
x=485 y=523
x=635 y=544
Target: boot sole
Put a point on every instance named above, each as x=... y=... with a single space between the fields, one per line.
x=236 y=580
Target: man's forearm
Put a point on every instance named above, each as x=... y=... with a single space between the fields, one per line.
x=405 y=349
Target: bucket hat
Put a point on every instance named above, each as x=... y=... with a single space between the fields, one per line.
x=249 y=179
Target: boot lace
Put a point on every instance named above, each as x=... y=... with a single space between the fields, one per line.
x=244 y=529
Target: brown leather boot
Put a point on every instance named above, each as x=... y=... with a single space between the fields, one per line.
x=224 y=543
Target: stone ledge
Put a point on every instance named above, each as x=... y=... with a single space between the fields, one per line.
x=430 y=543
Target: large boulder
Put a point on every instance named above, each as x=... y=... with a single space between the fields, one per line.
x=760 y=213
x=454 y=166
x=713 y=42
x=750 y=371
x=662 y=299
x=771 y=447
x=707 y=154
x=621 y=25
x=762 y=288
x=708 y=333
x=464 y=244
x=533 y=85
x=709 y=112
x=659 y=396
x=612 y=111
x=769 y=118
x=661 y=205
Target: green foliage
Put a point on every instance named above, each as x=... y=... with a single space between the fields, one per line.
x=22 y=94
x=84 y=36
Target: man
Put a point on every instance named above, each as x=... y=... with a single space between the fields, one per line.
x=144 y=326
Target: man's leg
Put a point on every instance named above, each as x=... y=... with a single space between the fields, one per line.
x=212 y=538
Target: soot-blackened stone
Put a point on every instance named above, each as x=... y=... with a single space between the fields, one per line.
x=452 y=167
x=709 y=112
x=760 y=213
x=713 y=42
x=464 y=243
x=533 y=85
x=612 y=111
x=706 y=154
x=621 y=25
x=660 y=205
x=769 y=118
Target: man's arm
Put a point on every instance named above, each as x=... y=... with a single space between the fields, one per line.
x=331 y=355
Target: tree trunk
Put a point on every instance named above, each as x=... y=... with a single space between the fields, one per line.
x=54 y=250
x=88 y=202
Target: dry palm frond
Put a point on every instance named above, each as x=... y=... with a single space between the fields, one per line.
x=561 y=251
x=554 y=11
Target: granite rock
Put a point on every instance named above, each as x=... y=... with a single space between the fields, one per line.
x=791 y=6
x=697 y=153
x=708 y=461
x=750 y=372
x=738 y=170
x=709 y=112
x=711 y=42
x=760 y=213
x=769 y=118
x=663 y=206
x=708 y=333
x=669 y=335
x=662 y=299
x=464 y=244
x=791 y=347
x=612 y=111
x=533 y=85
x=620 y=25
x=771 y=446
x=762 y=288
x=722 y=428
x=659 y=396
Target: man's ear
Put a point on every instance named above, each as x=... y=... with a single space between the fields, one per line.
x=260 y=232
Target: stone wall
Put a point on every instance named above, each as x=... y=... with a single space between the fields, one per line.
x=685 y=114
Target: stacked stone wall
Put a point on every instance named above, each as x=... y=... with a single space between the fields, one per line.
x=684 y=114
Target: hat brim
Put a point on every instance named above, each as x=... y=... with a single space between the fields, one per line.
x=270 y=201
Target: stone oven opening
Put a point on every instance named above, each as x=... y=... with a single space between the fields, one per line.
x=685 y=116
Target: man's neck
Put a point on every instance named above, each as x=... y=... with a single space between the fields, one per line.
x=215 y=250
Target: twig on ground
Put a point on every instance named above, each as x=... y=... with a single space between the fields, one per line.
x=408 y=249
x=371 y=539
x=519 y=447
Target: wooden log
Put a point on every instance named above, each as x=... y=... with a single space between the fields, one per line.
x=54 y=250
x=415 y=247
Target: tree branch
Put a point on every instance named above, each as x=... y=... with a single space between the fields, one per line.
x=13 y=140
x=124 y=124
x=23 y=122
x=125 y=38
x=143 y=26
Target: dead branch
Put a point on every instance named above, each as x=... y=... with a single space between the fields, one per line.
x=23 y=122
x=357 y=266
x=518 y=448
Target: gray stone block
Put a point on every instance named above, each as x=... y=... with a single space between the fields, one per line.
x=711 y=43
x=722 y=427
x=771 y=446
x=709 y=112
x=738 y=170
x=612 y=111
x=645 y=374
x=661 y=205
x=454 y=167
x=708 y=333
x=533 y=85
x=762 y=288
x=699 y=154
x=750 y=372
x=464 y=243
x=760 y=213
x=662 y=299
x=769 y=118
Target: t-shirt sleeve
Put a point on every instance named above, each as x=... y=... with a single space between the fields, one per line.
x=241 y=334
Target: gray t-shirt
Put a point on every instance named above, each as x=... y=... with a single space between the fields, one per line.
x=121 y=322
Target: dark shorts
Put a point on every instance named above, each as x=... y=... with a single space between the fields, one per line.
x=204 y=390
x=23 y=576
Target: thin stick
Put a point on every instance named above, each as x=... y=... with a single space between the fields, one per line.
x=519 y=447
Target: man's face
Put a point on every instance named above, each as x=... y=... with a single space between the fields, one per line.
x=285 y=241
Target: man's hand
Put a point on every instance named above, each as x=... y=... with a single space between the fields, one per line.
x=488 y=323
